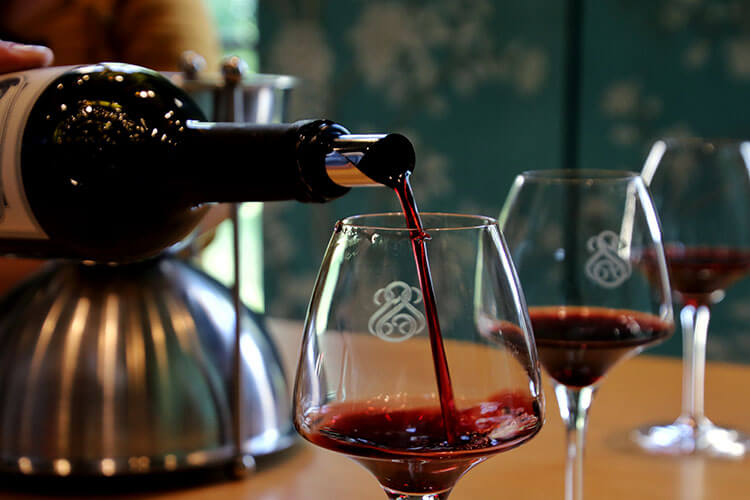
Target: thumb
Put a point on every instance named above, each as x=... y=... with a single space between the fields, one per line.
x=17 y=57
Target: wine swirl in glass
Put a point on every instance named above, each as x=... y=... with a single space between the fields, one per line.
x=701 y=189
x=416 y=399
x=573 y=235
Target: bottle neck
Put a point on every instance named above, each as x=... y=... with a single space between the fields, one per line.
x=232 y=162
x=309 y=161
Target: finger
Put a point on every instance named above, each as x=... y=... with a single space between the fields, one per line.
x=17 y=57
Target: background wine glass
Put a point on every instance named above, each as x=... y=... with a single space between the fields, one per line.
x=574 y=236
x=701 y=189
x=366 y=383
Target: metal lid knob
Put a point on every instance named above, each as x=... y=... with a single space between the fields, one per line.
x=191 y=64
x=233 y=68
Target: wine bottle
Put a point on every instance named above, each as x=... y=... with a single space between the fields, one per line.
x=111 y=162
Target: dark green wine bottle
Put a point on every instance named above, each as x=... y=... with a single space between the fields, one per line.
x=112 y=162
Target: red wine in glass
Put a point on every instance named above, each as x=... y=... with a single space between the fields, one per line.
x=578 y=345
x=381 y=438
x=573 y=235
x=701 y=189
x=373 y=400
x=698 y=272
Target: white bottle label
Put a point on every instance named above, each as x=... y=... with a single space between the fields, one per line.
x=18 y=93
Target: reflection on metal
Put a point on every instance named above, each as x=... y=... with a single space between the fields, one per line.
x=342 y=163
x=258 y=98
x=236 y=96
x=108 y=371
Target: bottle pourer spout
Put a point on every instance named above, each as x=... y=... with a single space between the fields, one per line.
x=370 y=160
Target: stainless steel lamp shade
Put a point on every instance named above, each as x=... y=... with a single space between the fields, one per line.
x=109 y=371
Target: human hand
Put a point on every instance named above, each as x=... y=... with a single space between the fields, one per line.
x=17 y=56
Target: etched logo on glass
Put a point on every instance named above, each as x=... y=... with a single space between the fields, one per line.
x=605 y=267
x=397 y=319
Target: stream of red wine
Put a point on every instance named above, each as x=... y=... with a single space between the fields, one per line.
x=423 y=449
x=419 y=248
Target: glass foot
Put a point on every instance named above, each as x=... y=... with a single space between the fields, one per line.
x=686 y=437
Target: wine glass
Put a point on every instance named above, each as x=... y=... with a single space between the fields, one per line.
x=374 y=382
x=701 y=189
x=575 y=237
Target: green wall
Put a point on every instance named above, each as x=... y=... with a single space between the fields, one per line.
x=479 y=86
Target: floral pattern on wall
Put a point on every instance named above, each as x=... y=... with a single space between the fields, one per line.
x=478 y=85
x=399 y=66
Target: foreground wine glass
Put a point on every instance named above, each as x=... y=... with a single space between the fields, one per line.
x=367 y=379
x=575 y=237
x=701 y=189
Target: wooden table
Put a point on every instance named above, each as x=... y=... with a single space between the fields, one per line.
x=641 y=390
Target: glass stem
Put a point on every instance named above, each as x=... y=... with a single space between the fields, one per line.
x=431 y=496
x=694 y=331
x=574 y=403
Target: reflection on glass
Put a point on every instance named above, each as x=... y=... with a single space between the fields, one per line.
x=579 y=239
x=701 y=189
x=367 y=384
